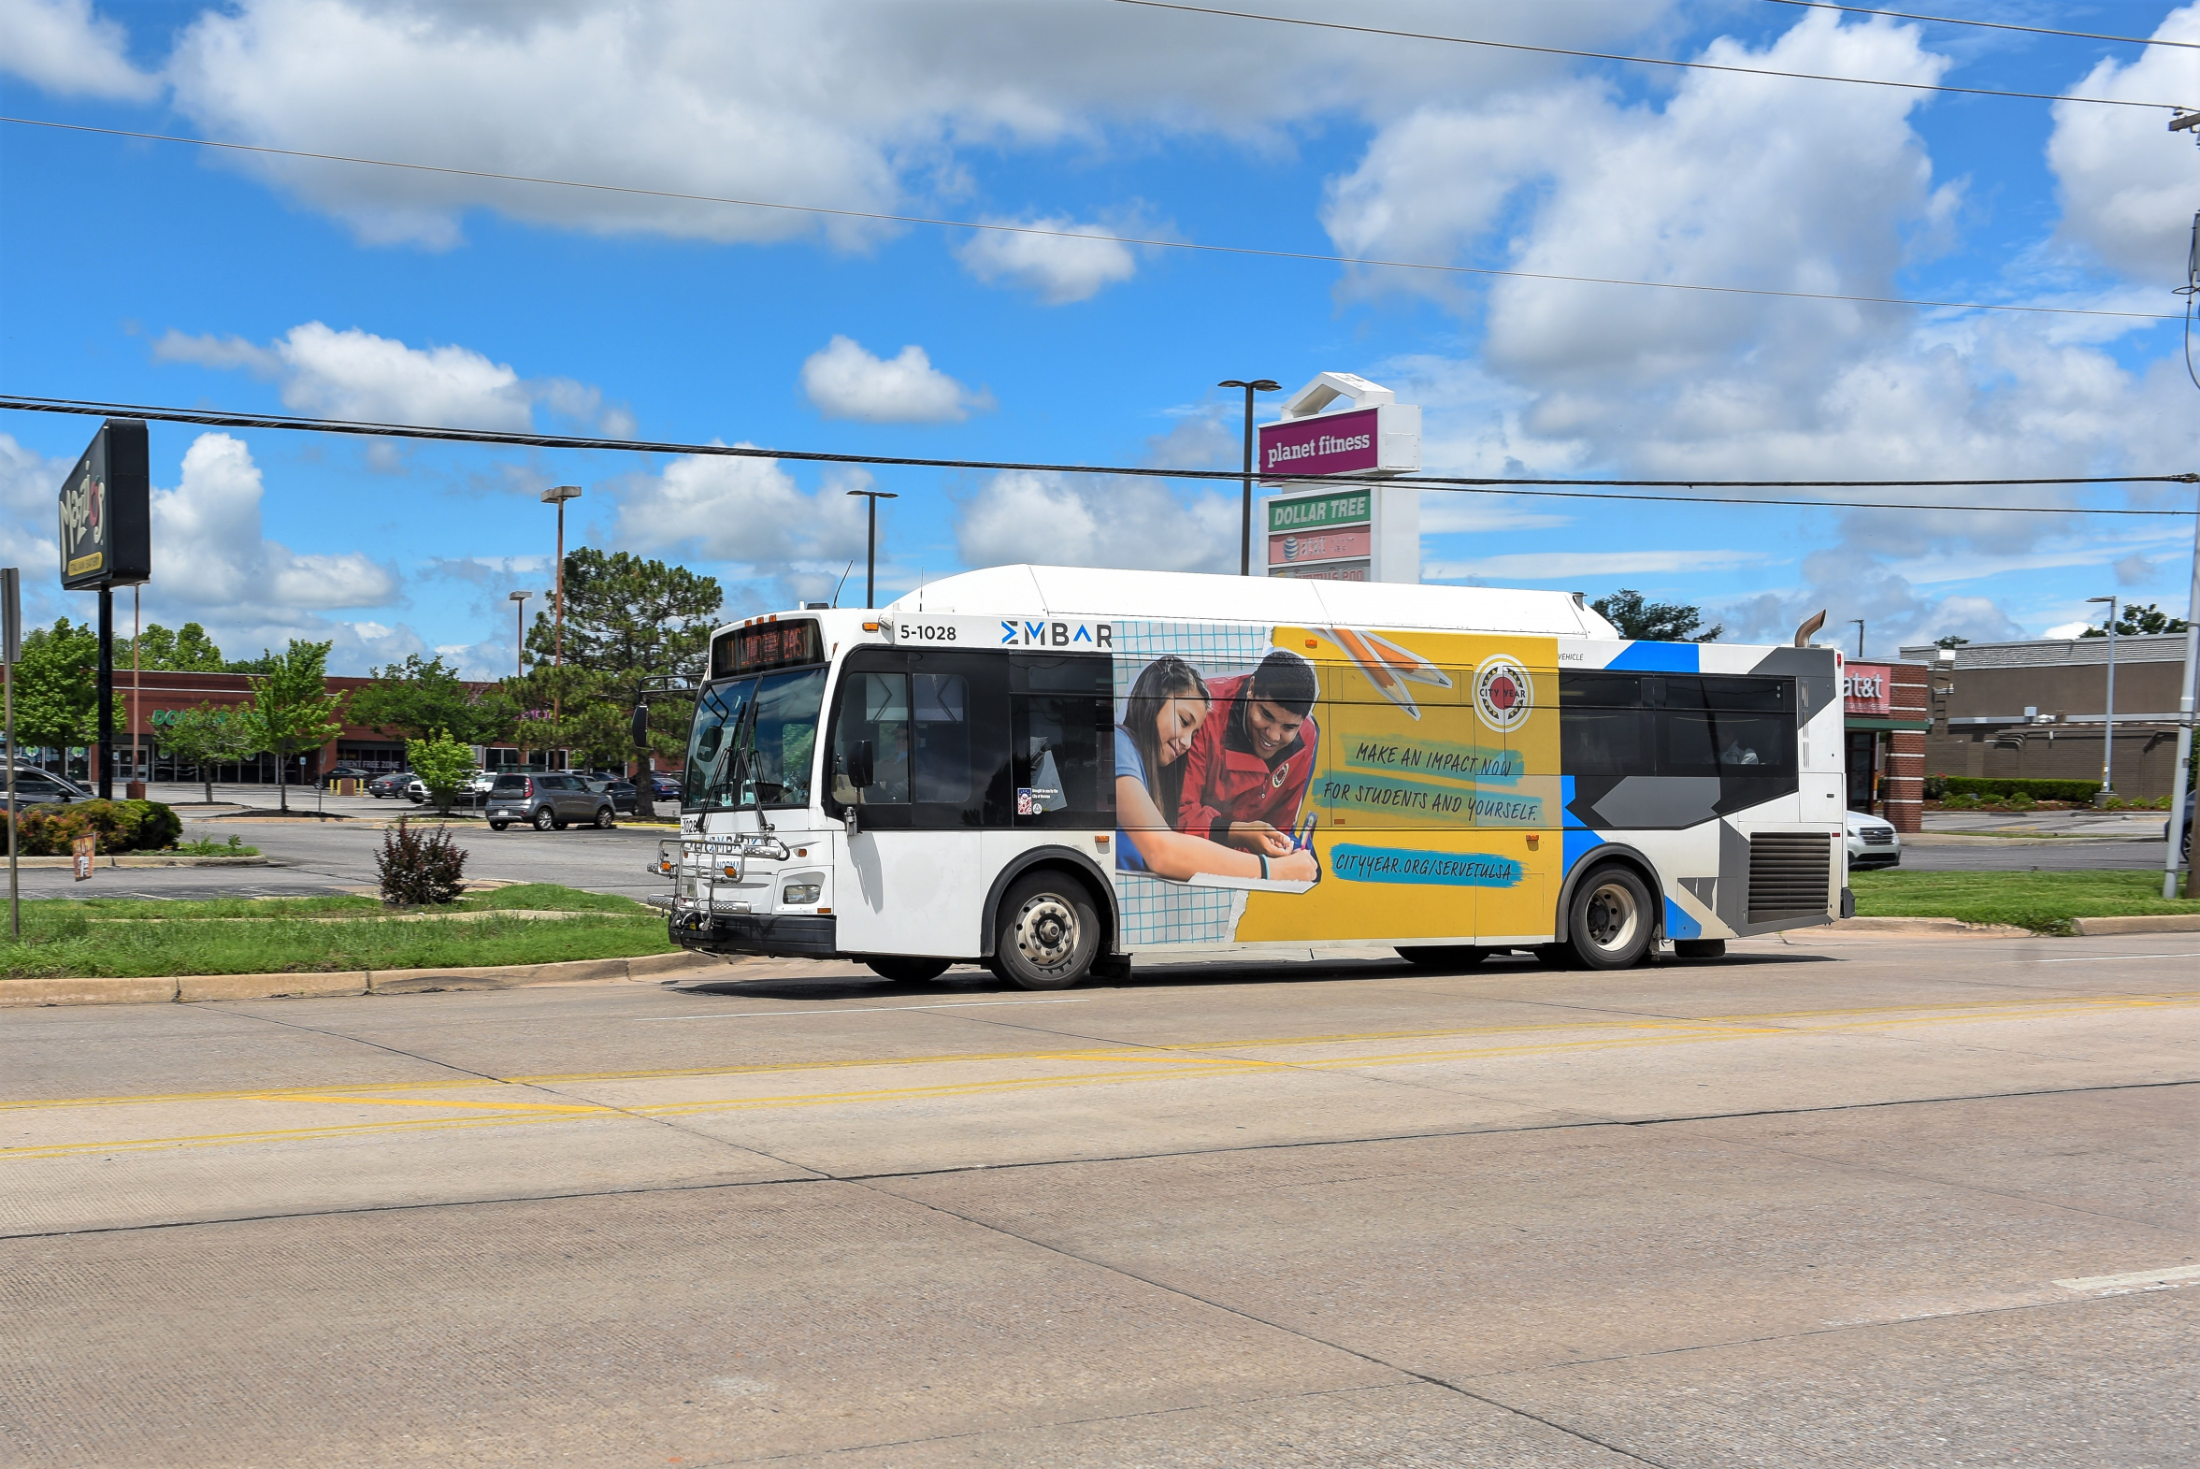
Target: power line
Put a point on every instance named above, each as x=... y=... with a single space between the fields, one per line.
x=1758 y=71
x=1261 y=252
x=1458 y=484
x=1990 y=25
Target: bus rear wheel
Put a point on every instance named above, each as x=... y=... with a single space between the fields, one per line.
x=1049 y=934
x=1444 y=956
x=1609 y=922
x=904 y=970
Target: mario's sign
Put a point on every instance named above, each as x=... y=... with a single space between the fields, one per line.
x=106 y=511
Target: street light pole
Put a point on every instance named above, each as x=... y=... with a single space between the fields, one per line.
x=2179 y=789
x=557 y=495
x=1859 y=638
x=2108 y=721
x=1245 y=519
x=519 y=633
x=870 y=553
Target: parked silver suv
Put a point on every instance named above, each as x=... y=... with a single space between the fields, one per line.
x=547 y=801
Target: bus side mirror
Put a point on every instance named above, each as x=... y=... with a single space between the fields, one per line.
x=861 y=770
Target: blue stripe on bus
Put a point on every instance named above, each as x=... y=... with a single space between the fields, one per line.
x=1678 y=925
x=1656 y=658
x=1580 y=840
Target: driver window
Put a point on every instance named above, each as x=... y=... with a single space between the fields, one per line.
x=871 y=738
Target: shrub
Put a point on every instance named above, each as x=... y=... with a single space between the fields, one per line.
x=1961 y=801
x=2038 y=790
x=1936 y=786
x=2019 y=801
x=417 y=870
x=120 y=826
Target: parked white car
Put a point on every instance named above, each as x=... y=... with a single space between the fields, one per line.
x=1873 y=842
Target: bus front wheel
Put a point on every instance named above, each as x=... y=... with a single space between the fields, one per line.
x=1049 y=935
x=1609 y=922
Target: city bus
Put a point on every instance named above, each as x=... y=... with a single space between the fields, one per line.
x=1055 y=771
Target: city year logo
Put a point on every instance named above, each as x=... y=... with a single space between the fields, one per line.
x=1504 y=695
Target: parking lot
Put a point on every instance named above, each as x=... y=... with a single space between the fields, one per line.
x=1850 y=1200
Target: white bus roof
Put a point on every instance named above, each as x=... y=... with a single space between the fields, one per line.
x=1087 y=593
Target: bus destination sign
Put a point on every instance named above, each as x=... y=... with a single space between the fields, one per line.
x=766 y=646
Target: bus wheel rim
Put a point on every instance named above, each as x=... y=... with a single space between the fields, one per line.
x=1612 y=917
x=1046 y=931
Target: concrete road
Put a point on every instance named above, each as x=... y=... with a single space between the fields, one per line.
x=1853 y=1200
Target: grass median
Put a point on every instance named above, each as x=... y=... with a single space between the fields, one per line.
x=131 y=937
x=2044 y=902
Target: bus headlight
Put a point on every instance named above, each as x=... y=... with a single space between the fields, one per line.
x=801 y=894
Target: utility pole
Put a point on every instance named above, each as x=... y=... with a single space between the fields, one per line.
x=557 y=495
x=1245 y=520
x=11 y=649
x=2179 y=787
x=2108 y=717
x=1859 y=638
x=870 y=554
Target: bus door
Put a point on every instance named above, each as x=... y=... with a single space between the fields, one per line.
x=919 y=752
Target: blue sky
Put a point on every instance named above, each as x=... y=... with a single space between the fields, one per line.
x=151 y=272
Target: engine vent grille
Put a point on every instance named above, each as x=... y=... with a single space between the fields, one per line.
x=1790 y=875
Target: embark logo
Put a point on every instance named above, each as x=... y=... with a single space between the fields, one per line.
x=1017 y=633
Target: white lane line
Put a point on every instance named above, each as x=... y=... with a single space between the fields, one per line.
x=2133 y=1279
x=2121 y=958
x=866 y=1010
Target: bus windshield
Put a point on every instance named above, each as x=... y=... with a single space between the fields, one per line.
x=753 y=742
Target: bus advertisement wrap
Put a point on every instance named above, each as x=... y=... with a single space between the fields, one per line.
x=1302 y=784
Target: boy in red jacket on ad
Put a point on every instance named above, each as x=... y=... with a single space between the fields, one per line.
x=1247 y=771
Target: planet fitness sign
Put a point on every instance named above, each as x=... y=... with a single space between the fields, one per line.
x=1370 y=534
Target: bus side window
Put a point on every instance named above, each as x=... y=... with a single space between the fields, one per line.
x=1063 y=751
x=941 y=772
x=1602 y=728
x=872 y=738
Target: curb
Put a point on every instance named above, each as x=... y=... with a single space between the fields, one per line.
x=1920 y=927
x=149 y=859
x=2138 y=923
x=194 y=988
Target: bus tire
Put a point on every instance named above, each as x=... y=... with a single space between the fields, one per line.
x=903 y=969
x=1444 y=956
x=1699 y=948
x=1050 y=932
x=1609 y=923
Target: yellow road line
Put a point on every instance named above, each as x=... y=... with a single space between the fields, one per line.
x=1846 y=1018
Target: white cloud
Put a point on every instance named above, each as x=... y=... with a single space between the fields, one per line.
x=30 y=487
x=845 y=381
x=749 y=512
x=1059 y=270
x=356 y=375
x=2067 y=630
x=2126 y=180
x=1059 y=520
x=63 y=47
x=211 y=560
x=857 y=106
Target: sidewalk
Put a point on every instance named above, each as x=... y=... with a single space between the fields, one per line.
x=2125 y=826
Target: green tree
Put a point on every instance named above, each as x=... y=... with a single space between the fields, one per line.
x=1951 y=641
x=443 y=765
x=1663 y=622
x=628 y=622
x=57 y=686
x=292 y=710
x=2135 y=622
x=187 y=651
x=206 y=736
x=419 y=697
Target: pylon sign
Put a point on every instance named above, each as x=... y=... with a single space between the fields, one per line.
x=1365 y=532
x=106 y=511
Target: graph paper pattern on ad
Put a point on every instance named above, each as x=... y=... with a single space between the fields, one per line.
x=1155 y=910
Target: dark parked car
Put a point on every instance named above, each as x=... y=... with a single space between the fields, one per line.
x=547 y=801
x=624 y=798
x=345 y=772
x=664 y=787
x=2184 y=847
x=392 y=784
x=34 y=786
